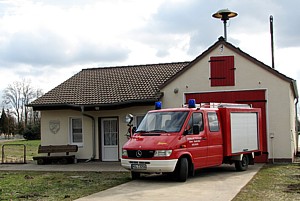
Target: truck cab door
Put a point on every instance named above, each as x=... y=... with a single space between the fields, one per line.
x=215 y=141
x=197 y=140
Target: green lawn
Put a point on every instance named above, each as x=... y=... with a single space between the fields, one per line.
x=23 y=185
x=273 y=182
x=26 y=185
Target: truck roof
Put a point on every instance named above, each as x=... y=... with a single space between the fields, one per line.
x=183 y=109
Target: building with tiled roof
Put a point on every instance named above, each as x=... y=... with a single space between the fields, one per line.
x=111 y=87
x=89 y=108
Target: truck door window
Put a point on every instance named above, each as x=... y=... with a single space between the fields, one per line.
x=213 y=121
x=195 y=120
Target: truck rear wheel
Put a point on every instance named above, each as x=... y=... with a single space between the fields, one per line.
x=243 y=164
x=182 y=170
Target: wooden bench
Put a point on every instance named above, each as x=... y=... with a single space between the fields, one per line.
x=62 y=159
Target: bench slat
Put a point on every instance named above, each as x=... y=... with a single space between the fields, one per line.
x=58 y=149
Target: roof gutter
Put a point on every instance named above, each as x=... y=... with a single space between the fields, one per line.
x=101 y=106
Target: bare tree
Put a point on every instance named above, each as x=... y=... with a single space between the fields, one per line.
x=27 y=96
x=34 y=116
x=17 y=96
x=12 y=97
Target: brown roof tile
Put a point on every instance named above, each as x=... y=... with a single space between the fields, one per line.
x=111 y=85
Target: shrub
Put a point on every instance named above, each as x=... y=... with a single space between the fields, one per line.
x=32 y=132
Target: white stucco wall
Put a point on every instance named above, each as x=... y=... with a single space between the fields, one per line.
x=85 y=151
x=63 y=135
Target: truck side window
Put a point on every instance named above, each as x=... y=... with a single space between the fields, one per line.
x=196 y=119
x=213 y=121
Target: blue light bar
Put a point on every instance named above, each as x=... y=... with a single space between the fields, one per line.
x=158 y=105
x=192 y=103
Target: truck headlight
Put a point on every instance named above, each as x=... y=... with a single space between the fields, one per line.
x=162 y=153
x=124 y=152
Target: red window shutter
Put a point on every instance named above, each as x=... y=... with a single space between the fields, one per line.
x=222 y=71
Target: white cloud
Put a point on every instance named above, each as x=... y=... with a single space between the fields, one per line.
x=287 y=62
x=49 y=35
x=256 y=45
x=48 y=41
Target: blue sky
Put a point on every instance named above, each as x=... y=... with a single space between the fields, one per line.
x=48 y=41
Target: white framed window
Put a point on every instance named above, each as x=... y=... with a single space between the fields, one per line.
x=76 y=134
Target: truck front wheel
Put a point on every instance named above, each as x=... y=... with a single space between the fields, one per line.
x=243 y=164
x=135 y=175
x=182 y=170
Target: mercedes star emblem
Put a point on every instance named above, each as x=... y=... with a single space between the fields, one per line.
x=138 y=153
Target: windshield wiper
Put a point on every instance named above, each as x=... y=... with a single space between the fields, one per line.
x=141 y=131
x=159 y=131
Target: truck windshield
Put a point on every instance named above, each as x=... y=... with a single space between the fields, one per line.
x=162 y=122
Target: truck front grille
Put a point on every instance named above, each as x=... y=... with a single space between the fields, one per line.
x=140 y=153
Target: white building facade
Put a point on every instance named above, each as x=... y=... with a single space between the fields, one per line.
x=223 y=73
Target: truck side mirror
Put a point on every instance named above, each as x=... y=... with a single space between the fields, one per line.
x=196 y=129
x=129 y=118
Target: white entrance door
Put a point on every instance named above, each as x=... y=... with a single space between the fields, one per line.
x=109 y=139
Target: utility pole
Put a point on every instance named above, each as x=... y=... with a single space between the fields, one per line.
x=272 y=41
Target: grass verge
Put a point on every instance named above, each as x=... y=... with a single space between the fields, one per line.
x=23 y=185
x=31 y=185
x=273 y=182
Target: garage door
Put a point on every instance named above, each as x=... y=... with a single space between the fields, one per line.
x=254 y=97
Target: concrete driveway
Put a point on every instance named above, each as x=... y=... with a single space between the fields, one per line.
x=220 y=183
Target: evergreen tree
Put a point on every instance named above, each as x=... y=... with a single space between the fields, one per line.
x=3 y=122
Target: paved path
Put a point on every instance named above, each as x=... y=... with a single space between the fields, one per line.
x=218 y=184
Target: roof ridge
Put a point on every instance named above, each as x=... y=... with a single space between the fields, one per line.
x=137 y=65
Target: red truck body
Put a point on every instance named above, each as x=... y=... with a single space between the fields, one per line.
x=204 y=137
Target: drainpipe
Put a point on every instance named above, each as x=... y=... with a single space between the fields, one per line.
x=294 y=85
x=93 y=134
x=297 y=126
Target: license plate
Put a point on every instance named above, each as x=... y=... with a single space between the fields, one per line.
x=138 y=166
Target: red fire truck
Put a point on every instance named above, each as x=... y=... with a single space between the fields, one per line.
x=179 y=141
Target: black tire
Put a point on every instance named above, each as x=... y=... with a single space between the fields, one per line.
x=63 y=161
x=135 y=175
x=192 y=170
x=71 y=160
x=182 y=170
x=243 y=164
x=40 y=161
